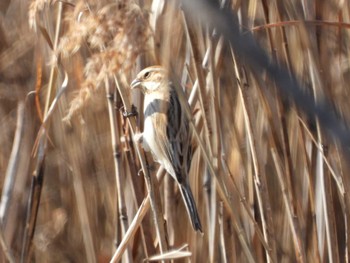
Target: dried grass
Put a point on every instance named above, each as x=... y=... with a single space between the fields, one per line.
x=270 y=172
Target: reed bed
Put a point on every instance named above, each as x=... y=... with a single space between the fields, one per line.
x=266 y=82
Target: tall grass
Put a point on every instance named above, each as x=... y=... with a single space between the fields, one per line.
x=266 y=83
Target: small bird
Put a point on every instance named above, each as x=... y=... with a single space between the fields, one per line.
x=166 y=132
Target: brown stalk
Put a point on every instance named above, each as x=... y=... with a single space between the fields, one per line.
x=117 y=154
x=146 y=231
x=10 y=178
x=220 y=184
x=289 y=174
x=214 y=137
x=337 y=178
x=33 y=206
x=282 y=113
x=346 y=206
x=136 y=222
x=311 y=194
x=38 y=174
x=259 y=175
x=8 y=196
x=319 y=92
x=327 y=204
x=330 y=215
x=211 y=201
x=300 y=22
x=196 y=58
x=301 y=257
x=5 y=248
x=292 y=57
x=222 y=234
x=243 y=201
x=82 y=208
x=208 y=100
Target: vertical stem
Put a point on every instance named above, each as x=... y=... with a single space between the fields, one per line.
x=38 y=174
x=287 y=203
x=115 y=137
x=53 y=72
x=259 y=176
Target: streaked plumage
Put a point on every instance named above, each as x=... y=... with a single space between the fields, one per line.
x=166 y=132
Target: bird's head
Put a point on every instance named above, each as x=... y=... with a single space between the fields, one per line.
x=151 y=79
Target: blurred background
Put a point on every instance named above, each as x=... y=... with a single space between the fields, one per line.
x=269 y=175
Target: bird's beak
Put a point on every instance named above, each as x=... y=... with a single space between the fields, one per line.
x=135 y=83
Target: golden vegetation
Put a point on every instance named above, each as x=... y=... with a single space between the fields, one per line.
x=270 y=171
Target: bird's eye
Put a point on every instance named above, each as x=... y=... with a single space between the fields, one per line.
x=147 y=74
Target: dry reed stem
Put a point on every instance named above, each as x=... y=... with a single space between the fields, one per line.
x=259 y=176
x=222 y=234
x=311 y=195
x=7 y=192
x=337 y=178
x=136 y=222
x=220 y=185
x=6 y=249
x=192 y=36
x=146 y=228
x=83 y=212
x=301 y=256
x=116 y=146
x=178 y=253
x=53 y=72
x=243 y=201
x=38 y=176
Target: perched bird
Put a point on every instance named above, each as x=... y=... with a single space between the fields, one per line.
x=166 y=132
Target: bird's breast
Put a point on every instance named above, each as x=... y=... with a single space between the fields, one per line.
x=152 y=134
x=155 y=128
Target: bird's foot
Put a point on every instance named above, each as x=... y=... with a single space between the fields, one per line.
x=138 y=137
x=128 y=114
x=150 y=168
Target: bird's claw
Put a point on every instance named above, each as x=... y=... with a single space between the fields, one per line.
x=131 y=113
x=150 y=168
x=138 y=137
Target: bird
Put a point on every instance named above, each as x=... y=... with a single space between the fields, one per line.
x=166 y=132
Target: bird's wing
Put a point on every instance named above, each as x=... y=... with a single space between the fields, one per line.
x=178 y=137
x=171 y=138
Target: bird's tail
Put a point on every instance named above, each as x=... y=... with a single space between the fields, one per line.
x=191 y=206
